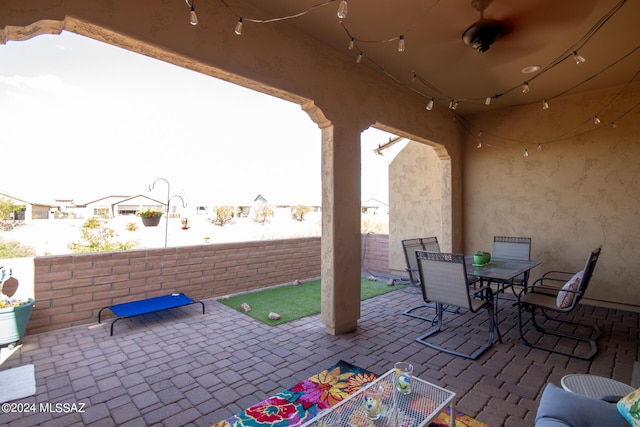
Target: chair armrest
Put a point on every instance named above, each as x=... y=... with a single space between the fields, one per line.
x=564 y=274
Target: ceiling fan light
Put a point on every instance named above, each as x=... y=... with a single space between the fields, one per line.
x=578 y=58
x=481 y=34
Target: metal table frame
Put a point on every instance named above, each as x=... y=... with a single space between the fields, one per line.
x=426 y=401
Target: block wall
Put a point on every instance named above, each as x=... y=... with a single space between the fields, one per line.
x=71 y=289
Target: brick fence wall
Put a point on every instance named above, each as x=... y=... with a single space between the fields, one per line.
x=375 y=252
x=71 y=289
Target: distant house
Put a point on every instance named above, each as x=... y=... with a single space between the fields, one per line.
x=30 y=210
x=114 y=206
x=375 y=207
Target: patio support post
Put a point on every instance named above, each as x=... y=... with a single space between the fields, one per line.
x=341 y=235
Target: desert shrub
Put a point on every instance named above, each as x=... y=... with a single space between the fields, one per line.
x=13 y=249
x=95 y=237
x=262 y=214
x=224 y=215
x=298 y=212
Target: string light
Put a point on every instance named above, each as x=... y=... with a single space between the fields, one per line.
x=401 y=45
x=342 y=14
x=238 y=29
x=614 y=125
x=193 y=18
x=526 y=153
x=596 y=120
x=342 y=9
x=578 y=58
x=539 y=147
x=430 y=105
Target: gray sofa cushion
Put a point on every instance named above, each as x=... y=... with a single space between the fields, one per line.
x=560 y=408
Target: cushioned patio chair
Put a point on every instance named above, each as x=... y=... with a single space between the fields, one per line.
x=444 y=281
x=554 y=296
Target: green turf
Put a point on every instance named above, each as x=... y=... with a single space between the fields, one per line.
x=293 y=302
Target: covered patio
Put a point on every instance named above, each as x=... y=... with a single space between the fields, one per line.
x=184 y=368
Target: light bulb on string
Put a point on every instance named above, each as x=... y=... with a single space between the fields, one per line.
x=578 y=58
x=238 y=29
x=352 y=43
x=614 y=125
x=359 y=58
x=545 y=105
x=596 y=120
x=401 y=45
x=479 y=144
x=487 y=101
x=526 y=153
x=342 y=9
x=525 y=87
x=193 y=18
x=430 y=104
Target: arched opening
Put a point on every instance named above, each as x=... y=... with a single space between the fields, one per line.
x=419 y=192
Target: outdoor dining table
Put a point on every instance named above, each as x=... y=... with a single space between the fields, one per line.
x=500 y=271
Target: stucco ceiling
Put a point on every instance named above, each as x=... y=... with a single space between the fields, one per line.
x=436 y=63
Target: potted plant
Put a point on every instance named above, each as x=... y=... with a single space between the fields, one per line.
x=14 y=313
x=150 y=217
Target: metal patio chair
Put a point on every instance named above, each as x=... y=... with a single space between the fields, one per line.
x=409 y=248
x=513 y=248
x=548 y=295
x=443 y=279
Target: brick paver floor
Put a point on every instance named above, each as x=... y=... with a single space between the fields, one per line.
x=182 y=368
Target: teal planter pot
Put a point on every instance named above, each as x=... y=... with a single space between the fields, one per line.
x=13 y=322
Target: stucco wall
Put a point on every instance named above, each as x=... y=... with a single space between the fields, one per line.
x=571 y=196
x=415 y=200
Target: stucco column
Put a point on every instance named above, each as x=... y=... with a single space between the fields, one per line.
x=340 y=228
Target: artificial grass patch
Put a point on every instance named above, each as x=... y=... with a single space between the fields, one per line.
x=294 y=302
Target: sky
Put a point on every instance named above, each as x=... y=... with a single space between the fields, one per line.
x=81 y=120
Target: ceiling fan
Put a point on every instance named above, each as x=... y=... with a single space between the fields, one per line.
x=482 y=33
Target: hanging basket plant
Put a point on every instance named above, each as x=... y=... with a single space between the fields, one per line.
x=150 y=217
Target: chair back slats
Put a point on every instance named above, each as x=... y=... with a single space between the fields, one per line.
x=589 y=266
x=410 y=246
x=444 y=278
x=512 y=247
